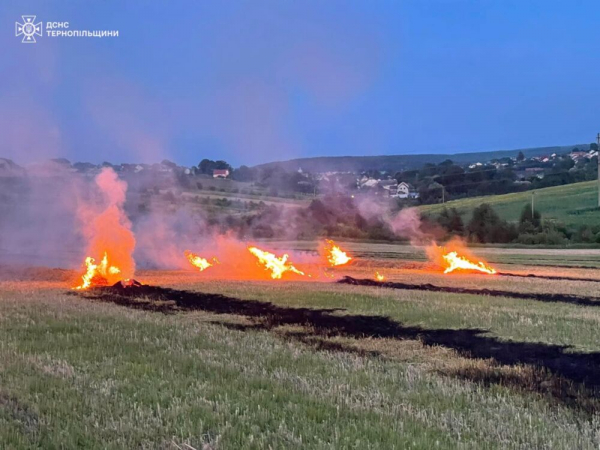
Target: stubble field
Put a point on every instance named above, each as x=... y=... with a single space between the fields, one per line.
x=425 y=360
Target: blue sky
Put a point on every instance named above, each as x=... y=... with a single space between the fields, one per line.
x=256 y=81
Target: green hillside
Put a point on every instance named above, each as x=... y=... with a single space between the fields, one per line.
x=572 y=204
x=393 y=163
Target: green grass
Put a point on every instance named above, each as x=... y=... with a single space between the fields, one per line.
x=573 y=204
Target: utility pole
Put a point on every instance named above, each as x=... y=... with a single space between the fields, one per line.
x=532 y=204
x=443 y=195
x=598 y=155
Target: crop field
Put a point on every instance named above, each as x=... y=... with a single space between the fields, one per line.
x=572 y=204
x=421 y=360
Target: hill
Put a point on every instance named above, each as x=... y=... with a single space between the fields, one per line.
x=394 y=163
x=573 y=204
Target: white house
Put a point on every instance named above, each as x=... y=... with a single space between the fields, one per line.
x=220 y=173
x=403 y=190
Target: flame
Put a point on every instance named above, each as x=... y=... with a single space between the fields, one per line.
x=199 y=262
x=335 y=255
x=379 y=277
x=100 y=274
x=108 y=230
x=456 y=262
x=277 y=266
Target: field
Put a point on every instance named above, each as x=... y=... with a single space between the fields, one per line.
x=573 y=204
x=426 y=361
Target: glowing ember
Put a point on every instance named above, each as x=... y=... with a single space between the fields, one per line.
x=277 y=266
x=335 y=255
x=199 y=262
x=100 y=274
x=379 y=277
x=455 y=262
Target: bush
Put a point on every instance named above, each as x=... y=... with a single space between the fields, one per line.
x=552 y=237
x=450 y=220
x=530 y=221
x=486 y=226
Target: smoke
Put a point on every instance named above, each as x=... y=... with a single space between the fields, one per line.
x=163 y=237
x=38 y=216
x=108 y=229
x=407 y=224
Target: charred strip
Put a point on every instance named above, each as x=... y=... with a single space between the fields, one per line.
x=547 y=277
x=582 y=369
x=552 y=298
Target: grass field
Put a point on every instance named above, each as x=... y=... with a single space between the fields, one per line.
x=572 y=204
x=513 y=363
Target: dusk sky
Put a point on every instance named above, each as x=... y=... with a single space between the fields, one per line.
x=257 y=81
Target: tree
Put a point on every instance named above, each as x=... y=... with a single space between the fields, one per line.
x=451 y=220
x=594 y=146
x=486 y=226
x=244 y=173
x=520 y=157
x=223 y=165
x=206 y=166
x=530 y=221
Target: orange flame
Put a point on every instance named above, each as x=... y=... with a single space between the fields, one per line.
x=100 y=274
x=277 y=266
x=379 y=277
x=109 y=233
x=456 y=262
x=335 y=255
x=456 y=256
x=199 y=262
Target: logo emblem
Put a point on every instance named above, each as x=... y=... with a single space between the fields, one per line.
x=28 y=29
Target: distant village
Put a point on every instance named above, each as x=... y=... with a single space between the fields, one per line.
x=429 y=184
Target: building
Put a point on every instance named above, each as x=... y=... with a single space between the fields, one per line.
x=220 y=173
x=576 y=156
x=406 y=190
x=402 y=190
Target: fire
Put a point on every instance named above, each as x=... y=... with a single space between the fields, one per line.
x=199 y=262
x=335 y=255
x=277 y=266
x=379 y=277
x=100 y=274
x=108 y=230
x=454 y=262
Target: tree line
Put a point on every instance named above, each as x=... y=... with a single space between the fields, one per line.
x=486 y=226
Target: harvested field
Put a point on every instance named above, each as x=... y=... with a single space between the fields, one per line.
x=420 y=360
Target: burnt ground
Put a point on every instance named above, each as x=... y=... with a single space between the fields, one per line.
x=541 y=297
x=548 y=277
x=572 y=378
